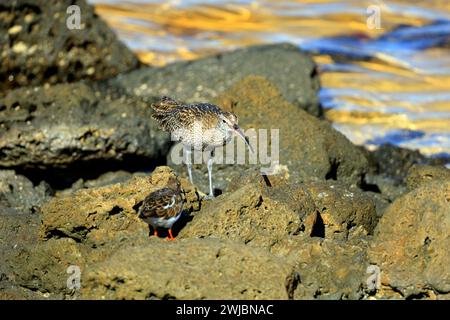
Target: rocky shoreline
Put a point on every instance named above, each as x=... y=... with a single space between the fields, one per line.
x=79 y=153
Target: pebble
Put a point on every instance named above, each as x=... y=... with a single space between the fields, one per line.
x=19 y=47
x=14 y=30
x=29 y=18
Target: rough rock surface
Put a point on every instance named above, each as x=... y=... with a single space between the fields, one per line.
x=411 y=243
x=342 y=210
x=253 y=242
x=105 y=179
x=42 y=266
x=289 y=68
x=394 y=162
x=312 y=149
x=70 y=124
x=19 y=196
x=20 y=204
x=263 y=216
x=199 y=269
x=37 y=47
x=246 y=215
x=76 y=229
x=327 y=269
x=422 y=174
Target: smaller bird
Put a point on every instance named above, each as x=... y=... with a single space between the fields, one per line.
x=198 y=126
x=163 y=207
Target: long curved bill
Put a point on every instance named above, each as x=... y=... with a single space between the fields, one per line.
x=241 y=134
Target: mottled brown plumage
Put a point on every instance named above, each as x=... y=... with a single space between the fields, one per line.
x=163 y=207
x=198 y=126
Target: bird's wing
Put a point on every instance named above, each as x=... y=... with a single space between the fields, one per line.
x=163 y=203
x=165 y=104
x=184 y=116
x=164 y=111
x=204 y=112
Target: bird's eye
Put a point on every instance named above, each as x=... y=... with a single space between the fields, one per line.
x=223 y=120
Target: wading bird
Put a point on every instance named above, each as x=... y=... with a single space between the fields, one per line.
x=198 y=126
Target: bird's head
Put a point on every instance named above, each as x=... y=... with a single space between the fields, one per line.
x=173 y=183
x=228 y=122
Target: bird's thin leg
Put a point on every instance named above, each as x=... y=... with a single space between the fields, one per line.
x=210 y=163
x=170 y=237
x=187 y=161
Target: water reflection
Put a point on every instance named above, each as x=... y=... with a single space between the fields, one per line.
x=379 y=85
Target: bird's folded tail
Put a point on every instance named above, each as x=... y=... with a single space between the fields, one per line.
x=165 y=104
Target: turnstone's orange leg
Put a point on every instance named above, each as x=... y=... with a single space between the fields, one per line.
x=170 y=237
x=155 y=233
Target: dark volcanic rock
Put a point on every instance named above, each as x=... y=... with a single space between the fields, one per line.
x=20 y=204
x=290 y=69
x=411 y=243
x=42 y=266
x=70 y=124
x=17 y=233
x=246 y=215
x=37 y=47
x=255 y=243
x=342 y=210
x=105 y=179
x=18 y=195
x=389 y=169
x=394 y=162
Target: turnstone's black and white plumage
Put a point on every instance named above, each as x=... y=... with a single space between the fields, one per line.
x=163 y=207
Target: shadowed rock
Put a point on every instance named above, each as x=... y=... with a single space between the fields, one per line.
x=79 y=127
x=20 y=204
x=19 y=196
x=37 y=47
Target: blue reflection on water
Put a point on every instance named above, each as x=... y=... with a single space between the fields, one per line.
x=397 y=136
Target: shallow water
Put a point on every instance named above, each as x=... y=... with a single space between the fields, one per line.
x=378 y=85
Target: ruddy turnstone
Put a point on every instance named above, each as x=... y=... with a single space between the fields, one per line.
x=163 y=207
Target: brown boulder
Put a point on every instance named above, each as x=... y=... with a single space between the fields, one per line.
x=411 y=242
x=254 y=213
x=422 y=174
x=327 y=268
x=248 y=215
x=188 y=269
